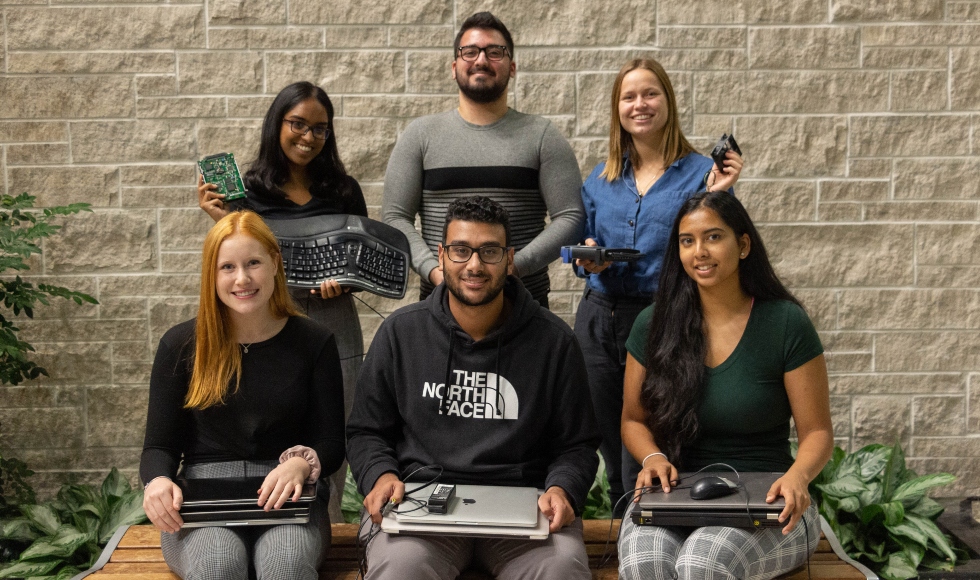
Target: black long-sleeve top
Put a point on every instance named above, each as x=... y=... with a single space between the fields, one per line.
x=291 y=393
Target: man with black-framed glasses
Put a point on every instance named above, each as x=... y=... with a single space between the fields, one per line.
x=485 y=148
x=482 y=381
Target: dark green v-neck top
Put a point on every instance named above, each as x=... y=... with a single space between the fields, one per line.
x=744 y=414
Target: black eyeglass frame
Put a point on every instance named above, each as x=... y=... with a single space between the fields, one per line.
x=301 y=128
x=478 y=251
x=484 y=49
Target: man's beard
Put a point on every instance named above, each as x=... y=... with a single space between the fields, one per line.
x=453 y=284
x=483 y=93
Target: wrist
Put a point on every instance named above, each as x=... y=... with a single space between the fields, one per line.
x=643 y=464
x=308 y=456
x=156 y=478
x=559 y=491
x=385 y=480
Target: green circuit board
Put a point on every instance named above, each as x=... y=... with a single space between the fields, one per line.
x=221 y=170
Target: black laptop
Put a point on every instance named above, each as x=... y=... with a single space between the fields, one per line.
x=233 y=502
x=746 y=508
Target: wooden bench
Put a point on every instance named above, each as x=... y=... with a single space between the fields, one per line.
x=134 y=553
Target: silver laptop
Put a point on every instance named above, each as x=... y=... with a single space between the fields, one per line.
x=233 y=502
x=476 y=511
x=746 y=508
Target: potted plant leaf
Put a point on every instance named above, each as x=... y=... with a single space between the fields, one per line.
x=881 y=513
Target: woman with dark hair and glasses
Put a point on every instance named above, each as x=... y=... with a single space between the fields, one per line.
x=298 y=173
x=630 y=201
x=717 y=367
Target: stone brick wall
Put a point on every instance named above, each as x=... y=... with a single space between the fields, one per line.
x=860 y=120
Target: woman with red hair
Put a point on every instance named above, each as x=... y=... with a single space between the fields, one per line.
x=250 y=388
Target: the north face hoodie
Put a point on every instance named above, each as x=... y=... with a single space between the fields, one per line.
x=516 y=410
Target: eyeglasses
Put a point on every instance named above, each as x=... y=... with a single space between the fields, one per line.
x=472 y=52
x=460 y=253
x=300 y=128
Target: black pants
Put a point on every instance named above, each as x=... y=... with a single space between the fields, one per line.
x=602 y=326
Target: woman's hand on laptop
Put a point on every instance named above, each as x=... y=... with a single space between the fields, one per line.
x=555 y=506
x=794 y=489
x=161 y=502
x=655 y=467
x=388 y=488
x=283 y=482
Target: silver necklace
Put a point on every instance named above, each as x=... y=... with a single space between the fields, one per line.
x=245 y=347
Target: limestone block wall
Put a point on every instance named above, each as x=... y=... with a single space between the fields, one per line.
x=860 y=121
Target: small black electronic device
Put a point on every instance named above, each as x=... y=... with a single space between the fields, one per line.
x=355 y=251
x=599 y=254
x=711 y=486
x=440 y=499
x=724 y=145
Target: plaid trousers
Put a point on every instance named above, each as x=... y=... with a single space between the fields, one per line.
x=715 y=552
x=281 y=551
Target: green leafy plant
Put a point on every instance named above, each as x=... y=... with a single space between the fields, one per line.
x=65 y=536
x=21 y=230
x=598 y=505
x=14 y=491
x=352 y=501
x=879 y=510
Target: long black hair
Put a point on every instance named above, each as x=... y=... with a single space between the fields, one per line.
x=676 y=346
x=270 y=170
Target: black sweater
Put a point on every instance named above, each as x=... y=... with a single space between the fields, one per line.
x=291 y=393
x=533 y=427
x=275 y=206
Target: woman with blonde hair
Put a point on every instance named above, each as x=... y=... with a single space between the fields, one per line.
x=250 y=388
x=630 y=202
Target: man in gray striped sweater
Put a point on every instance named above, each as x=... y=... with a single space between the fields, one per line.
x=485 y=148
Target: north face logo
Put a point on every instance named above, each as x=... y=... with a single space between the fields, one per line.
x=475 y=395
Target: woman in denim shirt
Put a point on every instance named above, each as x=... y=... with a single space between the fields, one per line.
x=630 y=202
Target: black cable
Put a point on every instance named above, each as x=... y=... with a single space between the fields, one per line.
x=428 y=483
x=606 y=555
x=368 y=305
x=306 y=308
x=376 y=528
x=806 y=531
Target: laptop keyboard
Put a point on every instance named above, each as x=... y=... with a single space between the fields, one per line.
x=357 y=252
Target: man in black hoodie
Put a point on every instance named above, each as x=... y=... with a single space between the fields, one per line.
x=482 y=381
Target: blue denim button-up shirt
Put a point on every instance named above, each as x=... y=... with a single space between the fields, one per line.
x=618 y=217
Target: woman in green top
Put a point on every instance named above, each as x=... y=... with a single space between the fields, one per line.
x=714 y=375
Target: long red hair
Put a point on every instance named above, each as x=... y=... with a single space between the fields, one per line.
x=217 y=358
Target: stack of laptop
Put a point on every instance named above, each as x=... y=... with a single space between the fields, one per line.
x=234 y=502
x=746 y=508
x=477 y=511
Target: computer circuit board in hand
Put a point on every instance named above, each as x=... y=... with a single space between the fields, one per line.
x=222 y=170
x=356 y=251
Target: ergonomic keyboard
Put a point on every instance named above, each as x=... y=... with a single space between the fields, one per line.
x=356 y=251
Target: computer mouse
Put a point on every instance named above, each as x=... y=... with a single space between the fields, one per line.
x=711 y=487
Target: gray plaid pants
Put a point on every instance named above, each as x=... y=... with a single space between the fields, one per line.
x=282 y=551
x=714 y=552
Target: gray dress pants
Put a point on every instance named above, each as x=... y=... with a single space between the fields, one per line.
x=561 y=557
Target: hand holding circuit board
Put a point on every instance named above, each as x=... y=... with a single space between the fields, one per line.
x=222 y=171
